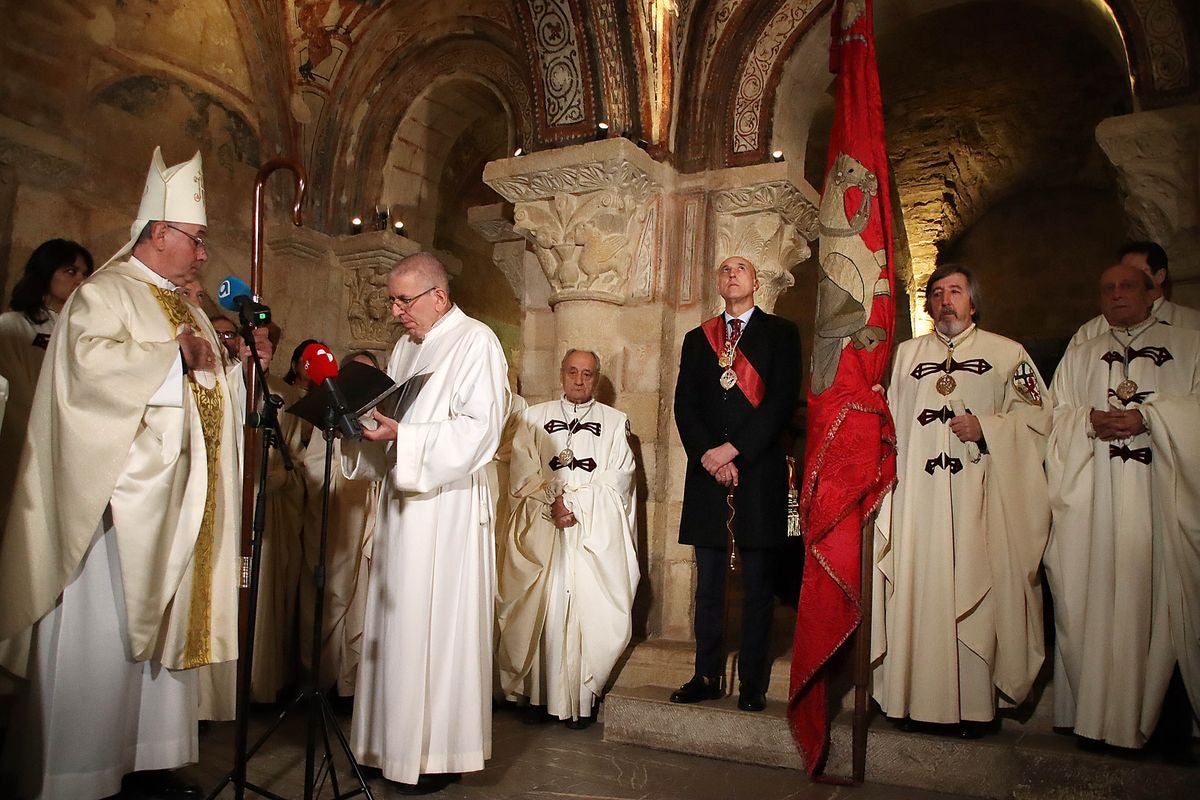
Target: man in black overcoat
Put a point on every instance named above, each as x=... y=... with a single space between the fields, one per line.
x=739 y=382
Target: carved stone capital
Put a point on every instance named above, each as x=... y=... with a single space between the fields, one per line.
x=493 y=223
x=768 y=223
x=366 y=259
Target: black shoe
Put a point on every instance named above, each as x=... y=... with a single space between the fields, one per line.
x=750 y=700
x=534 y=715
x=159 y=784
x=698 y=688
x=580 y=723
x=968 y=729
x=426 y=784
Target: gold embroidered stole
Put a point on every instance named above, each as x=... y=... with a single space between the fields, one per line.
x=209 y=403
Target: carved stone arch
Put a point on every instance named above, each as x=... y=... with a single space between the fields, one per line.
x=356 y=144
x=1162 y=40
x=559 y=60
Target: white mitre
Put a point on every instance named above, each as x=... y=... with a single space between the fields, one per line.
x=172 y=194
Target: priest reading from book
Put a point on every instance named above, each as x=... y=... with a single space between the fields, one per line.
x=1123 y=561
x=423 y=704
x=121 y=552
x=569 y=570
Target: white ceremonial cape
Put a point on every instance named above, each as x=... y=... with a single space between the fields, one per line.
x=957 y=600
x=1123 y=561
x=423 y=702
x=566 y=596
x=22 y=350
x=122 y=541
x=1167 y=312
x=352 y=507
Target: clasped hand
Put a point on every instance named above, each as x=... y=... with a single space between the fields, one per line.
x=560 y=514
x=1115 y=424
x=718 y=462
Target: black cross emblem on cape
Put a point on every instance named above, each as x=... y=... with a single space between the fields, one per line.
x=945 y=461
x=585 y=464
x=1124 y=453
x=944 y=414
x=575 y=425
x=977 y=366
x=1159 y=355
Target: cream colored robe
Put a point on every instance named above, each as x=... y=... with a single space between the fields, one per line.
x=423 y=702
x=957 y=601
x=1170 y=313
x=1124 y=556
x=566 y=596
x=352 y=507
x=119 y=471
x=501 y=464
x=21 y=363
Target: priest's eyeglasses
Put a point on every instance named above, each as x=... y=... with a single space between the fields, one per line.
x=197 y=241
x=406 y=302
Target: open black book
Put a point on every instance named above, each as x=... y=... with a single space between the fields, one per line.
x=364 y=388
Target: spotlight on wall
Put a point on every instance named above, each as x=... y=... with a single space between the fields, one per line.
x=520 y=151
x=601 y=131
x=777 y=155
x=398 y=228
x=356 y=225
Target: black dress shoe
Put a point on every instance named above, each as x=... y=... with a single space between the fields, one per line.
x=749 y=700
x=698 y=688
x=426 y=784
x=159 y=784
x=534 y=715
x=580 y=723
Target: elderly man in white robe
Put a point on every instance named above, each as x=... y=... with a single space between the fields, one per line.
x=423 y=707
x=957 y=600
x=1124 y=556
x=569 y=571
x=1150 y=258
x=121 y=552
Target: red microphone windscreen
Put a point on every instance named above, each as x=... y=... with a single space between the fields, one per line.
x=318 y=363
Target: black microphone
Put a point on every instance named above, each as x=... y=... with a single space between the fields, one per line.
x=321 y=367
x=234 y=295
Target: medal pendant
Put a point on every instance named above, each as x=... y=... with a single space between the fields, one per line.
x=728 y=379
x=945 y=384
x=725 y=360
x=1126 y=389
x=566 y=456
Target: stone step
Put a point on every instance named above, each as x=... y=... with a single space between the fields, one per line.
x=1028 y=765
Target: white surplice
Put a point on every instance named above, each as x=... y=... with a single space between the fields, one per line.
x=423 y=702
x=566 y=595
x=22 y=350
x=957 y=601
x=1123 y=561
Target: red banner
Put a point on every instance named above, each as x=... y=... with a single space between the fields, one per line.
x=851 y=456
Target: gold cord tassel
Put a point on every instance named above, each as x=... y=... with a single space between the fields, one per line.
x=793 y=501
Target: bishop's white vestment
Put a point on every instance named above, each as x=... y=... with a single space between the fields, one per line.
x=423 y=702
x=566 y=595
x=957 y=601
x=1163 y=310
x=121 y=553
x=1123 y=561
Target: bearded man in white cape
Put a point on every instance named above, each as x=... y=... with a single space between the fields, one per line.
x=1124 y=556
x=120 y=560
x=570 y=570
x=957 y=599
x=423 y=705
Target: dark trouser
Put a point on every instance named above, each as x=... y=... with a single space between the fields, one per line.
x=754 y=572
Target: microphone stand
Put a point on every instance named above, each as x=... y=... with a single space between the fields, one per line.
x=320 y=713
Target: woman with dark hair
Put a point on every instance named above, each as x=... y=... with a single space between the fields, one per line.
x=296 y=376
x=54 y=270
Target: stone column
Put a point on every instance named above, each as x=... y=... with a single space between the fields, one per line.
x=1156 y=154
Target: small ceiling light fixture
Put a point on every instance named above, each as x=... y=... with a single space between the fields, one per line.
x=398 y=228
x=601 y=131
x=356 y=225
x=381 y=217
x=520 y=151
x=777 y=155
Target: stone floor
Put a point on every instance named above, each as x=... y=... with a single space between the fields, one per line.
x=545 y=761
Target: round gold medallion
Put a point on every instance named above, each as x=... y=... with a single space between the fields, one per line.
x=566 y=456
x=946 y=384
x=1126 y=389
x=728 y=379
